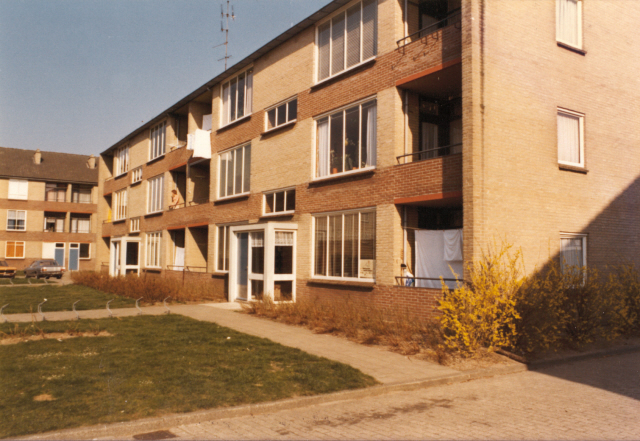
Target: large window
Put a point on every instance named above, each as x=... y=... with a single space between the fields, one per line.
x=85 y=251
x=54 y=222
x=570 y=138
x=81 y=223
x=347 y=140
x=223 y=248
x=237 y=96
x=154 y=249
x=16 y=220
x=158 y=145
x=234 y=172
x=81 y=194
x=18 y=189
x=120 y=204
x=14 y=250
x=282 y=114
x=55 y=192
x=348 y=39
x=155 y=194
x=121 y=161
x=569 y=22
x=345 y=245
x=280 y=202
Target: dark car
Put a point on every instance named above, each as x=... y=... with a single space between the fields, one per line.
x=44 y=268
x=6 y=270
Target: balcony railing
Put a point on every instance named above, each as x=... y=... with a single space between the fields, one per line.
x=453 y=18
x=402 y=280
x=188 y=204
x=431 y=153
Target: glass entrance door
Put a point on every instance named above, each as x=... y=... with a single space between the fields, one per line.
x=243 y=265
x=256 y=273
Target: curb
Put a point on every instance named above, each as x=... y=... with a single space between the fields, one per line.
x=130 y=428
x=542 y=364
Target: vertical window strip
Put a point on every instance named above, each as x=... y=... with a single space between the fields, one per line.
x=237 y=97
x=235 y=171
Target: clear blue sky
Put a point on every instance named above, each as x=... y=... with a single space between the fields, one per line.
x=78 y=75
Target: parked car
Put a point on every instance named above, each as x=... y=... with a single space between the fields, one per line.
x=44 y=268
x=6 y=270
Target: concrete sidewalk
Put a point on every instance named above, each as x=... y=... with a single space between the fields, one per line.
x=385 y=366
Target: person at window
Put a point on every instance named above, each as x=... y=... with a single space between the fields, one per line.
x=175 y=199
x=409 y=280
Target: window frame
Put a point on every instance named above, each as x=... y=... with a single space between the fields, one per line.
x=275 y=107
x=16 y=220
x=136 y=175
x=327 y=115
x=225 y=257
x=226 y=174
x=121 y=161
x=343 y=10
x=580 y=117
x=273 y=193
x=155 y=149
x=15 y=242
x=134 y=221
x=342 y=213
x=119 y=207
x=18 y=196
x=80 y=251
x=559 y=39
x=56 y=218
x=77 y=219
x=157 y=236
x=583 y=237
x=225 y=114
x=151 y=200
x=58 y=188
x=76 y=192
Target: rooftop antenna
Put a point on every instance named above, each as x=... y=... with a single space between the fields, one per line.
x=224 y=27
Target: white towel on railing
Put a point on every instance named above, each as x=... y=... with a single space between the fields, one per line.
x=190 y=141
x=202 y=144
x=452 y=245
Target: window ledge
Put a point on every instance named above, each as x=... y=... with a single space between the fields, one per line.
x=235 y=121
x=281 y=126
x=346 y=174
x=344 y=72
x=157 y=158
x=333 y=282
x=136 y=182
x=220 y=274
x=155 y=213
x=117 y=221
x=572 y=48
x=121 y=175
x=573 y=168
x=280 y=213
x=230 y=198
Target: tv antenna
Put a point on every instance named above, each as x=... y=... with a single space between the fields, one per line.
x=224 y=27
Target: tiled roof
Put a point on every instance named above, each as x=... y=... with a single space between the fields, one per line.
x=63 y=167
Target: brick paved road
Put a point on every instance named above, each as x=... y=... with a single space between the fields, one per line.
x=594 y=399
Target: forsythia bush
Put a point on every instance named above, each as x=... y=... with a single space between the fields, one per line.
x=482 y=313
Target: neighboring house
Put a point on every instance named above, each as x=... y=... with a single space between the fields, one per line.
x=382 y=133
x=48 y=208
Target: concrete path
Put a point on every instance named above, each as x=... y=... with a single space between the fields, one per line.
x=385 y=366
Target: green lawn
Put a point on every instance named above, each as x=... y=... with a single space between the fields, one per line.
x=151 y=366
x=23 y=281
x=59 y=298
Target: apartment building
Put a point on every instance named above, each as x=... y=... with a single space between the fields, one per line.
x=378 y=145
x=48 y=208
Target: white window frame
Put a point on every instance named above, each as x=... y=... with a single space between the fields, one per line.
x=276 y=108
x=158 y=141
x=77 y=190
x=328 y=115
x=559 y=25
x=22 y=190
x=77 y=219
x=59 y=188
x=580 y=116
x=584 y=246
x=121 y=161
x=233 y=151
x=120 y=205
x=136 y=175
x=362 y=61
x=155 y=194
x=313 y=244
x=80 y=252
x=15 y=242
x=273 y=194
x=225 y=229
x=16 y=219
x=56 y=218
x=225 y=113
x=153 y=238
x=134 y=225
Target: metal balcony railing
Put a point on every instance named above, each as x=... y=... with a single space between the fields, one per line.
x=421 y=155
x=401 y=280
x=451 y=19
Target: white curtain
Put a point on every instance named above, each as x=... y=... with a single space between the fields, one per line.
x=453 y=245
x=568 y=138
x=206 y=122
x=226 y=91
x=202 y=144
x=371 y=135
x=284 y=238
x=323 y=148
x=568 y=22
x=429 y=136
x=179 y=259
x=190 y=141
x=429 y=245
x=572 y=252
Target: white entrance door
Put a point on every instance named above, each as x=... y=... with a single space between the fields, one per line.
x=242 y=266
x=256 y=265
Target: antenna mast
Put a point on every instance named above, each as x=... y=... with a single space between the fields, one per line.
x=224 y=27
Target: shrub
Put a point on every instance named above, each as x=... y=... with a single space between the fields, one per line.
x=151 y=288
x=482 y=312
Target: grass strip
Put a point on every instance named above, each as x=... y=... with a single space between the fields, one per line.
x=150 y=366
x=59 y=298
